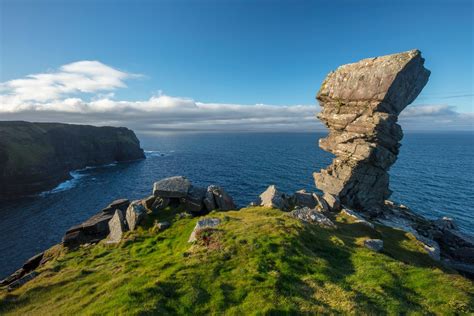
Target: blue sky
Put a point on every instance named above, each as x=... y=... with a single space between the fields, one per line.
x=237 y=52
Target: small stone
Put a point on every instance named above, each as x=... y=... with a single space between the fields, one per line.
x=374 y=244
x=135 y=214
x=161 y=226
x=204 y=223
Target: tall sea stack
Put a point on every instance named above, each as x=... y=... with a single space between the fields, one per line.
x=360 y=106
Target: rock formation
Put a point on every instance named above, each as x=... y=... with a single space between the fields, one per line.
x=360 y=106
x=36 y=157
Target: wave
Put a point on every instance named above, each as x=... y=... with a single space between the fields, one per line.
x=66 y=185
x=153 y=153
x=76 y=175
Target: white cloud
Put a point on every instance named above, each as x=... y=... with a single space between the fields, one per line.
x=78 y=77
x=59 y=96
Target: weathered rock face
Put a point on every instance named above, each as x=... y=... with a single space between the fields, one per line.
x=360 y=106
x=36 y=157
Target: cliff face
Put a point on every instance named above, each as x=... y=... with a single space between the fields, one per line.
x=35 y=157
x=360 y=106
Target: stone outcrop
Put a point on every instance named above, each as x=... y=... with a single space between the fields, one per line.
x=178 y=191
x=360 y=106
x=95 y=228
x=36 y=157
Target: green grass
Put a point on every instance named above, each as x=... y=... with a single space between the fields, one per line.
x=258 y=261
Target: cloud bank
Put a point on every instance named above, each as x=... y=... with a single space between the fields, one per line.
x=82 y=92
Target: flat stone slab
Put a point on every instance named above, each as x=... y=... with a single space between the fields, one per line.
x=203 y=223
x=173 y=187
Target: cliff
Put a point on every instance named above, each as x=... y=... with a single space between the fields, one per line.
x=35 y=157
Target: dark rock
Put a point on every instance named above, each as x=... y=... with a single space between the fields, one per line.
x=160 y=204
x=149 y=201
x=162 y=226
x=52 y=150
x=223 y=200
x=193 y=202
x=173 y=187
x=33 y=262
x=360 y=106
x=24 y=279
x=136 y=212
x=120 y=204
x=209 y=200
x=302 y=198
x=374 y=244
x=93 y=230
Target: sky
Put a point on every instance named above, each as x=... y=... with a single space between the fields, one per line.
x=213 y=66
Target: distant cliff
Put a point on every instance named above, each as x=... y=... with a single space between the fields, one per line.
x=35 y=157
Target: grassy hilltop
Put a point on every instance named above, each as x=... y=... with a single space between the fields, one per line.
x=257 y=261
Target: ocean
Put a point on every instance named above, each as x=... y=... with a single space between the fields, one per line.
x=433 y=176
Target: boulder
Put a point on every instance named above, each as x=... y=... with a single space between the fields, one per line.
x=30 y=265
x=117 y=227
x=161 y=226
x=92 y=230
x=308 y=215
x=223 y=201
x=302 y=198
x=374 y=244
x=271 y=197
x=360 y=105
x=193 y=202
x=173 y=187
x=136 y=212
x=201 y=224
x=149 y=201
